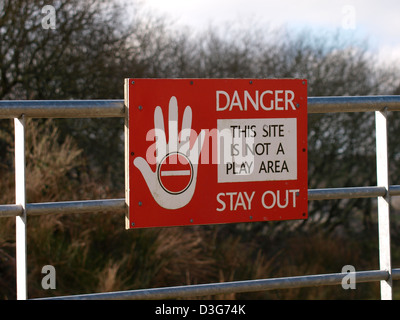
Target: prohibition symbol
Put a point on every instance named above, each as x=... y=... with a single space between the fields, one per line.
x=175 y=173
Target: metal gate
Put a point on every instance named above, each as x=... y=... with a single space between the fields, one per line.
x=381 y=105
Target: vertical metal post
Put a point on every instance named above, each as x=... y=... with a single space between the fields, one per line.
x=383 y=202
x=20 y=199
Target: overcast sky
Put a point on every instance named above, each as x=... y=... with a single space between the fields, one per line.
x=376 y=20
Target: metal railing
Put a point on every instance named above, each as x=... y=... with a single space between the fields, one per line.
x=19 y=110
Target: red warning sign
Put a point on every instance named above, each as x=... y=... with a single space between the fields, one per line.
x=205 y=151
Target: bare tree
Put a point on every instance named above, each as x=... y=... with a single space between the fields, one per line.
x=73 y=58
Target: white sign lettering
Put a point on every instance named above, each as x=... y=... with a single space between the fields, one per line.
x=257 y=150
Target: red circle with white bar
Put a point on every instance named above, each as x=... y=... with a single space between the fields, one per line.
x=175 y=173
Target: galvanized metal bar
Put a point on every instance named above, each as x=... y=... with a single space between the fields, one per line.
x=61 y=108
x=66 y=207
x=229 y=287
x=396 y=274
x=394 y=190
x=20 y=199
x=115 y=108
x=118 y=205
x=353 y=104
x=382 y=173
x=10 y=210
x=345 y=193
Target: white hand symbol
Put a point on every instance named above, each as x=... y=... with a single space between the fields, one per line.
x=176 y=151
